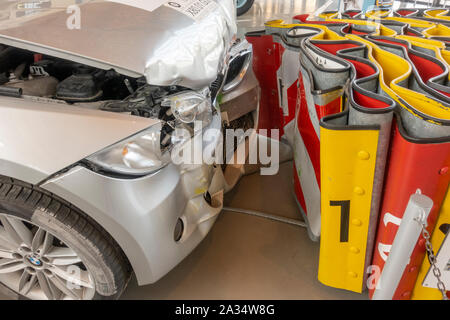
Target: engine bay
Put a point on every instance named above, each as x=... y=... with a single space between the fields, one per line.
x=34 y=74
x=25 y=74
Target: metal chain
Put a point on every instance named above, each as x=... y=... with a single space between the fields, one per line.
x=432 y=260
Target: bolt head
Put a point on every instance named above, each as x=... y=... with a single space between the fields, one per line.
x=354 y=250
x=363 y=155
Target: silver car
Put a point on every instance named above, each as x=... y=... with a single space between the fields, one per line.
x=92 y=94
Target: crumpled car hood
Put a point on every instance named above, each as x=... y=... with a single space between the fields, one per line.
x=194 y=55
x=168 y=45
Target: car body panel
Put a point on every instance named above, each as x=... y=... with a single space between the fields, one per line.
x=165 y=45
x=38 y=139
x=141 y=214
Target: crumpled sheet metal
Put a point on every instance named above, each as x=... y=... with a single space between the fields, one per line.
x=196 y=54
x=392 y=120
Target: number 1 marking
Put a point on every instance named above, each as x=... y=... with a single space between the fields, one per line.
x=345 y=217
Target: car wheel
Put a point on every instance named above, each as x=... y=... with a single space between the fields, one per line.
x=243 y=6
x=51 y=250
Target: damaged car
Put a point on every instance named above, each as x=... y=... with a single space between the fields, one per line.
x=93 y=95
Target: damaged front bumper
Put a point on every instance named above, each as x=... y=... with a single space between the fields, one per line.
x=157 y=219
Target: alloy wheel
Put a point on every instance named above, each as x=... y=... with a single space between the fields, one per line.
x=38 y=265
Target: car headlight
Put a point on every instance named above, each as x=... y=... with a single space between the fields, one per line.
x=139 y=155
x=150 y=150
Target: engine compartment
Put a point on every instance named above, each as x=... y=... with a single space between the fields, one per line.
x=25 y=74
x=60 y=79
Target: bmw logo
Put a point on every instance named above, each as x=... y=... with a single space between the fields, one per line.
x=35 y=261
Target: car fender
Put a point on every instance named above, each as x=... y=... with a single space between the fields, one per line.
x=38 y=139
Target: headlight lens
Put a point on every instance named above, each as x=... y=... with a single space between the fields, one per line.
x=190 y=106
x=138 y=155
x=148 y=151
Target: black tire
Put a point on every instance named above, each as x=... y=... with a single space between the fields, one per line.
x=248 y=4
x=98 y=251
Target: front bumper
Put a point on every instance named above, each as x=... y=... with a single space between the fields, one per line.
x=141 y=214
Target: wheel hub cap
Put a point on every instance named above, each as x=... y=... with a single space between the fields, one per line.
x=35 y=261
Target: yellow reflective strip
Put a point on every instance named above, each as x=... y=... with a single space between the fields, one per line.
x=420 y=292
x=346 y=193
